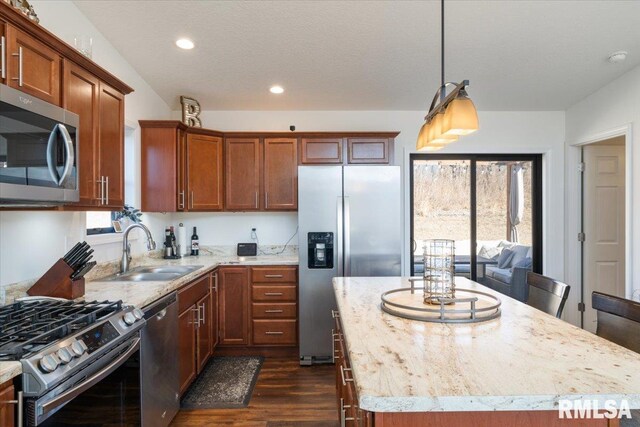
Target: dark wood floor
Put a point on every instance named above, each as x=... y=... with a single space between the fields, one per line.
x=285 y=395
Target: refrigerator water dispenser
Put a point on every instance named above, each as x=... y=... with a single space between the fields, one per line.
x=320 y=250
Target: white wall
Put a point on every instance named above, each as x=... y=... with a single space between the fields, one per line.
x=31 y=241
x=612 y=109
x=500 y=132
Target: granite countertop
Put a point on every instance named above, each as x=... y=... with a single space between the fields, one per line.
x=142 y=294
x=524 y=360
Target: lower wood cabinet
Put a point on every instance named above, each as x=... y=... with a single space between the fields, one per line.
x=258 y=306
x=194 y=329
x=7 y=409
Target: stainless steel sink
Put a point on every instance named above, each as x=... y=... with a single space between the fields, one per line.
x=160 y=273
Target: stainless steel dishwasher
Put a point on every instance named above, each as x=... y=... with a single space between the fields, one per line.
x=159 y=363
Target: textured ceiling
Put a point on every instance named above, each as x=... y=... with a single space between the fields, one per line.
x=378 y=55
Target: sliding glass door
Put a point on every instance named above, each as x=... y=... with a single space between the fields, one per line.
x=486 y=203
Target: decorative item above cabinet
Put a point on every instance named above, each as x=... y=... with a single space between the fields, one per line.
x=260 y=169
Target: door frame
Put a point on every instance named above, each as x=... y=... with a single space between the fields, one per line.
x=537 y=199
x=575 y=200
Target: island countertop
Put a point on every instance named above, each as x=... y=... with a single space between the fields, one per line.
x=524 y=360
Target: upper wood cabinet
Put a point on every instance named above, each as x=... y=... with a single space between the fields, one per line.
x=321 y=151
x=204 y=172
x=32 y=66
x=7 y=409
x=280 y=173
x=182 y=170
x=368 y=150
x=111 y=146
x=242 y=174
x=81 y=94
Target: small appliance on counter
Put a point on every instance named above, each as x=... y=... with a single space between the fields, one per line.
x=171 y=247
x=65 y=279
x=247 y=249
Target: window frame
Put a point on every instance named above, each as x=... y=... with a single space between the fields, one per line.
x=536 y=199
x=102 y=230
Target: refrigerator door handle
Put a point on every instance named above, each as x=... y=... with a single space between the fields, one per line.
x=347 y=238
x=339 y=234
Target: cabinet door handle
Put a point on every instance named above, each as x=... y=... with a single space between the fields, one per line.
x=202 y=307
x=3 y=52
x=19 y=405
x=257 y=204
x=191 y=200
x=266 y=200
x=101 y=181
x=107 y=192
x=215 y=282
x=181 y=202
x=273 y=294
x=274 y=333
x=273 y=276
x=345 y=380
x=195 y=321
x=273 y=311
x=19 y=55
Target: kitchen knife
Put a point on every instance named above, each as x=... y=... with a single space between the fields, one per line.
x=84 y=269
x=77 y=253
x=82 y=260
x=69 y=254
x=80 y=255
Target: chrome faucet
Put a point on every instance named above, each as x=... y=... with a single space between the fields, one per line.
x=126 y=247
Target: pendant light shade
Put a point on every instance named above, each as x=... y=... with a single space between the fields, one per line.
x=460 y=117
x=435 y=131
x=450 y=115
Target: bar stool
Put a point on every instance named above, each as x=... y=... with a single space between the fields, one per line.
x=547 y=294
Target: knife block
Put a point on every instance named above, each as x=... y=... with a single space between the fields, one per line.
x=56 y=282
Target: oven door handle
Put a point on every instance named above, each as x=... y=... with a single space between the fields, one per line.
x=69 y=153
x=91 y=381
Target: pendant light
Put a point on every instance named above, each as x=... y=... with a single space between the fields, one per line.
x=450 y=115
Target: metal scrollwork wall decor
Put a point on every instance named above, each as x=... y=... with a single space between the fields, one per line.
x=190 y=112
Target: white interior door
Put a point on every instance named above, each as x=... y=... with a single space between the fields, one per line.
x=604 y=224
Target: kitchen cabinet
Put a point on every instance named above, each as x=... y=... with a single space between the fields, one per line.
x=194 y=329
x=204 y=172
x=7 y=409
x=368 y=150
x=280 y=174
x=181 y=168
x=111 y=146
x=242 y=174
x=233 y=305
x=81 y=94
x=321 y=151
x=32 y=66
x=274 y=297
x=101 y=155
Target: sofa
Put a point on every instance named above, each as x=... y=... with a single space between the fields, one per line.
x=511 y=278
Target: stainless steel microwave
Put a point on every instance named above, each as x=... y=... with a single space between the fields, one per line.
x=38 y=151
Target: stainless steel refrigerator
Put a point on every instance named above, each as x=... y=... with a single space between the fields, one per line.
x=349 y=220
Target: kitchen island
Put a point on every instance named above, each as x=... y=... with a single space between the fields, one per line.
x=513 y=370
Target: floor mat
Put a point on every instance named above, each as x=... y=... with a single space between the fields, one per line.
x=226 y=382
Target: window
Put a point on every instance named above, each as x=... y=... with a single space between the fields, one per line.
x=100 y=222
x=483 y=202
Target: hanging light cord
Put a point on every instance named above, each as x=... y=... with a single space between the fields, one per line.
x=442 y=91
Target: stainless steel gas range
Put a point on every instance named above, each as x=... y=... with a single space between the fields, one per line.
x=80 y=360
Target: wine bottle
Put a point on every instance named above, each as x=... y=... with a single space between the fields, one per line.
x=195 y=244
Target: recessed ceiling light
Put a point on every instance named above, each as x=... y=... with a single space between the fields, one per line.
x=184 y=44
x=618 y=56
x=276 y=89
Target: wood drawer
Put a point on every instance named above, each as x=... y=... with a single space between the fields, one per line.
x=274 y=275
x=274 y=332
x=277 y=293
x=193 y=292
x=274 y=310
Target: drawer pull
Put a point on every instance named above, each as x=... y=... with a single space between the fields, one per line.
x=273 y=276
x=273 y=311
x=274 y=333
x=273 y=294
x=344 y=379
